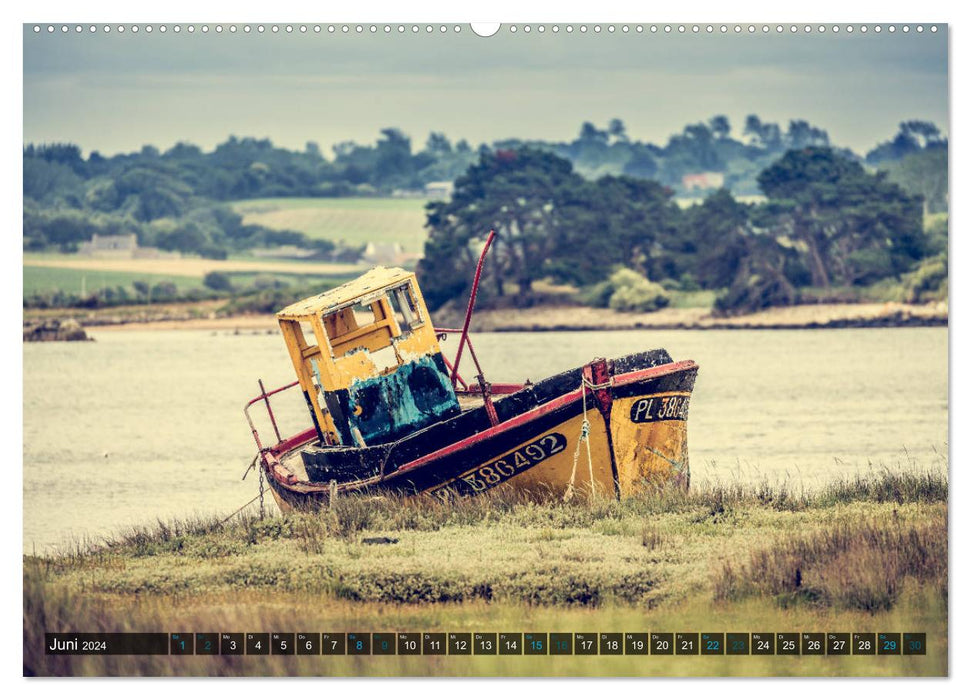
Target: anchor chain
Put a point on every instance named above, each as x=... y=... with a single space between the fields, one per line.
x=261 y=494
x=262 y=484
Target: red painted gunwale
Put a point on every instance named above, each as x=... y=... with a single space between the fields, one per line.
x=548 y=407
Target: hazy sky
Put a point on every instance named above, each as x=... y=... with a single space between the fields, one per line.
x=116 y=92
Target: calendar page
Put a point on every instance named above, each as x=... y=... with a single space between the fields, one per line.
x=514 y=349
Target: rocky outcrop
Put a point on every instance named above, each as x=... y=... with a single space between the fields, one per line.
x=55 y=329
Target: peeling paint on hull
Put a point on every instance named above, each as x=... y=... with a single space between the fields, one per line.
x=385 y=408
x=637 y=438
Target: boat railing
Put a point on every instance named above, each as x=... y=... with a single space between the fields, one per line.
x=264 y=398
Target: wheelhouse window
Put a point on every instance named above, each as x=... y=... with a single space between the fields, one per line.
x=364 y=314
x=366 y=326
x=303 y=334
x=405 y=309
x=373 y=324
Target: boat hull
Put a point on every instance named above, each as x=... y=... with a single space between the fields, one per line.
x=619 y=429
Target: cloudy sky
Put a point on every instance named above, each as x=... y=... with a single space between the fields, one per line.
x=117 y=92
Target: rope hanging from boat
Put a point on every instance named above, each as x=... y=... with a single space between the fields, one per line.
x=583 y=438
x=252 y=464
x=237 y=511
x=250 y=501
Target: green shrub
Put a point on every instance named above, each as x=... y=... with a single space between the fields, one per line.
x=755 y=292
x=936 y=228
x=165 y=291
x=928 y=282
x=870 y=265
x=627 y=290
x=647 y=296
x=218 y=281
x=261 y=282
x=597 y=295
x=688 y=283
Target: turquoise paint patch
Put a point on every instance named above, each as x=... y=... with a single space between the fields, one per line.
x=415 y=396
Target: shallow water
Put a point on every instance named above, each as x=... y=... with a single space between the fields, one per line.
x=143 y=425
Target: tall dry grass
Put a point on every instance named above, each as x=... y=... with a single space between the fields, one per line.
x=355 y=514
x=858 y=564
x=873 y=546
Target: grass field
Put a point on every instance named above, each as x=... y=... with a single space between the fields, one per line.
x=699 y=299
x=39 y=278
x=186 y=267
x=45 y=273
x=356 y=221
x=864 y=555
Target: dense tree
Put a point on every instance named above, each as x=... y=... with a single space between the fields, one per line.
x=617 y=130
x=923 y=173
x=218 y=281
x=692 y=151
x=66 y=154
x=642 y=164
x=393 y=154
x=52 y=183
x=62 y=229
x=856 y=226
x=551 y=223
x=572 y=211
x=242 y=168
x=517 y=193
x=912 y=137
x=591 y=134
x=713 y=243
x=767 y=136
x=183 y=151
x=618 y=221
x=761 y=279
x=440 y=161
x=926 y=133
x=802 y=134
x=147 y=194
x=828 y=222
x=720 y=126
x=438 y=144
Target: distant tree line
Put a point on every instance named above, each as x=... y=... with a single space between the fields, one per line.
x=151 y=184
x=827 y=223
x=178 y=199
x=701 y=147
x=166 y=200
x=139 y=292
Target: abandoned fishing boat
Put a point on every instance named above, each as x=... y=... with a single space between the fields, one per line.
x=390 y=413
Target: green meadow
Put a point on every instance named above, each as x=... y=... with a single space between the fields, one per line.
x=356 y=221
x=38 y=279
x=867 y=554
x=246 y=283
